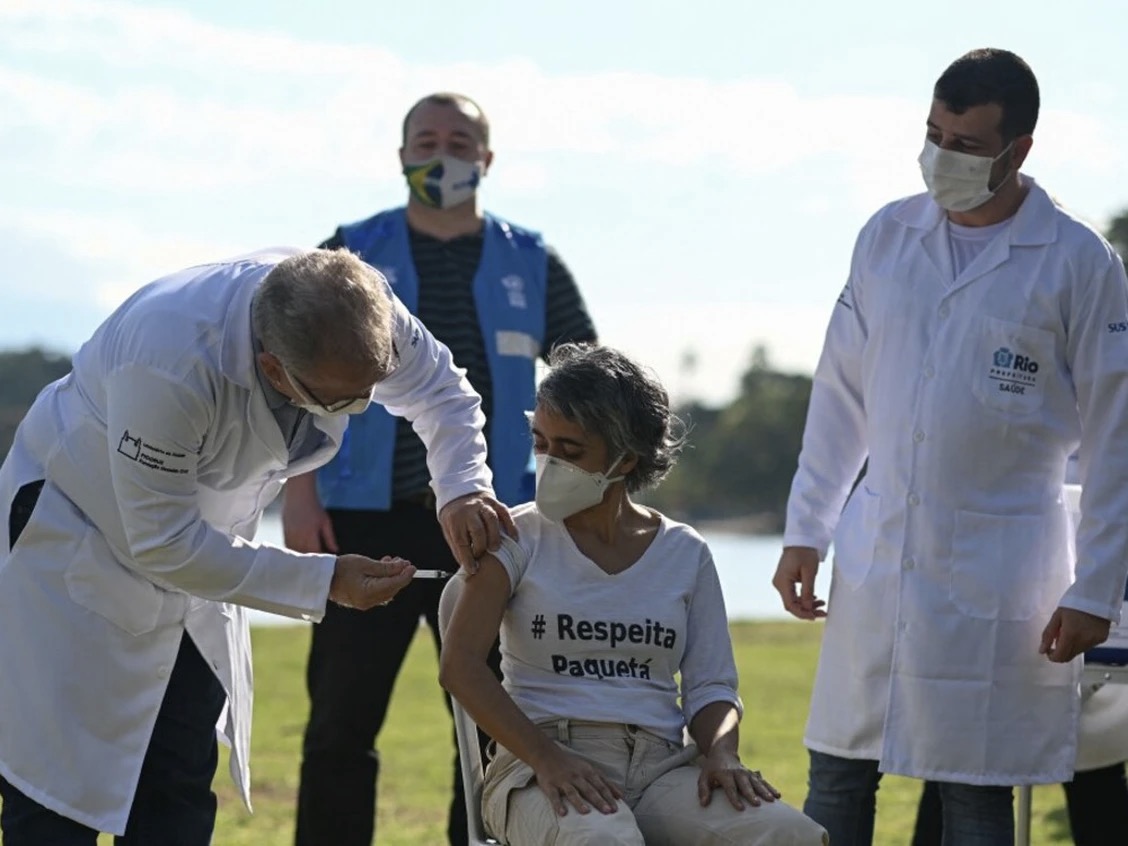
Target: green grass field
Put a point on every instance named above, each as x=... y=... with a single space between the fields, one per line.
x=776 y=662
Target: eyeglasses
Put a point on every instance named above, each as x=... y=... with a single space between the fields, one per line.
x=338 y=406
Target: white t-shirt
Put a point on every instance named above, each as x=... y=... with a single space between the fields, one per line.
x=579 y=643
x=967 y=242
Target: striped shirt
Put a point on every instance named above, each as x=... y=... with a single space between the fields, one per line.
x=446 y=271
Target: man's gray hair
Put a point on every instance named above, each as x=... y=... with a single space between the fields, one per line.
x=611 y=396
x=325 y=305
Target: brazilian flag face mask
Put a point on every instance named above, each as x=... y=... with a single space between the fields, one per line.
x=443 y=182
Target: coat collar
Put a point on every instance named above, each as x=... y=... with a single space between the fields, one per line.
x=237 y=349
x=1034 y=224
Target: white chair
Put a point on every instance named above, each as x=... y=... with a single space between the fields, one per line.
x=469 y=752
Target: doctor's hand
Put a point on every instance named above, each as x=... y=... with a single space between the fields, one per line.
x=363 y=583
x=798 y=565
x=305 y=525
x=1070 y=632
x=472 y=526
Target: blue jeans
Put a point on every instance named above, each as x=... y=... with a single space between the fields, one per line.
x=842 y=796
x=174 y=804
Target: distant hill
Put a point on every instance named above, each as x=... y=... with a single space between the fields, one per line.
x=23 y=373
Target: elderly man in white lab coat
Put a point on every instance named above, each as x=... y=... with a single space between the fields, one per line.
x=982 y=335
x=132 y=492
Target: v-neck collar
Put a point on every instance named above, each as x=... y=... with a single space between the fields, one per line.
x=588 y=562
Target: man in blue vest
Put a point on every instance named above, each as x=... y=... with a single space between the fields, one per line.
x=498 y=298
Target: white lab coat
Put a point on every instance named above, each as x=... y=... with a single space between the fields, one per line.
x=966 y=395
x=160 y=454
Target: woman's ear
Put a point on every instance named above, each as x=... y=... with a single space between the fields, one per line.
x=625 y=466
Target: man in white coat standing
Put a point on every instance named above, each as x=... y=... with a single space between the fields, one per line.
x=132 y=492
x=981 y=337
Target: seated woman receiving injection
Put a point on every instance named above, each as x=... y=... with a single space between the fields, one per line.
x=604 y=606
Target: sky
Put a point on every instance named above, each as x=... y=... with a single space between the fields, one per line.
x=703 y=168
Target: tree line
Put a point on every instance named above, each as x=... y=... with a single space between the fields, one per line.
x=738 y=461
x=739 y=458
x=23 y=373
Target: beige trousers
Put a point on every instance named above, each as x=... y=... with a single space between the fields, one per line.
x=660 y=808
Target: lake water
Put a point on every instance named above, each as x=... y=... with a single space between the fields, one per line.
x=745 y=564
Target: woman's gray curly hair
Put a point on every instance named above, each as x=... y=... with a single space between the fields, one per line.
x=611 y=396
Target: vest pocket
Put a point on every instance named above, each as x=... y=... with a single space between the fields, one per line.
x=520 y=344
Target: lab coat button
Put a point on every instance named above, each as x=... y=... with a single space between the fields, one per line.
x=914 y=499
x=908 y=564
x=943 y=311
x=162 y=672
x=918 y=436
x=929 y=372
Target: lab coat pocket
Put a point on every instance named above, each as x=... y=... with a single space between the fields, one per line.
x=998 y=567
x=97 y=582
x=1012 y=364
x=856 y=538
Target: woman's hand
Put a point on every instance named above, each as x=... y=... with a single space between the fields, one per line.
x=723 y=769
x=563 y=775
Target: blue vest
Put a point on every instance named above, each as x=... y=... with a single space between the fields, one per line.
x=509 y=293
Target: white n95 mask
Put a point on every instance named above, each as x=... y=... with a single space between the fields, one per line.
x=563 y=489
x=443 y=182
x=958 y=182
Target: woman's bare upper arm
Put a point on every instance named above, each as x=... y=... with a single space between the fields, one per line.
x=476 y=618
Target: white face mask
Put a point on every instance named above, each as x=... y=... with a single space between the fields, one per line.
x=443 y=182
x=563 y=489
x=958 y=182
x=307 y=403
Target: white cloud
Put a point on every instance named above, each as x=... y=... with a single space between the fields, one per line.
x=158 y=140
x=147 y=106
x=221 y=107
x=521 y=177
x=722 y=336
x=152 y=37
x=122 y=255
x=1070 y=139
